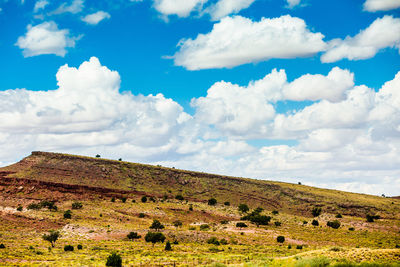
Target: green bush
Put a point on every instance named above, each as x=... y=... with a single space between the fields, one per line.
x=68 y=248
x=190 y=207
x=241 y=225
x=316 y=211
x=142 y=215
x=339 y=216
x=67 y=214
x=168 y=246
x=114 y=260
x=243 y=208
x=156 y=225
x=52 y=237
x=19 y=208
x=79 y=247
x=315 y=222
x=371 y=218
x=33 y=206
x=299 y=247
x=227 y=203
x=333 y=224
x=204 y=227
x=133 y=236
x=113 y=199
x=277 y=224
x=212 y=202
x=223 y=241
x=213 y=240
x=351 y=229
x=179 y=197
x=2 y=245
x=275 y=212
x=280 y=239
x=144 y=199
x=123 y=199
x=77 y=205
x=154 y=237
x=224 y=222
x=177 y=223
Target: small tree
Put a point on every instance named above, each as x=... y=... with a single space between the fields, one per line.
x=156 y=225
x=280 y=239
x=114 y=260
x=97 y=156
x=77 y=205
x=177 y=223
x=51 y=237
x=212 y=202
x=315 y=222
x=144 y=199
x=133 y=236
x=333 y=224
x=241 y=225
x=243 y=208
x=179 y=197
x=123 y=199
x=154 y=237
x=316 y=211
x=67 y=214
x=168 y=246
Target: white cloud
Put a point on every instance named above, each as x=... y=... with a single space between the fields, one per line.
x=226 y=7
x=381 y=5
x=348 y=140
x=181 y=8
x=382 y=33
x=40 y=4
x=317 y=87
x=95 y=18
x=45 y=38
x=292 y=3
x=237 y=40
x=75 y=7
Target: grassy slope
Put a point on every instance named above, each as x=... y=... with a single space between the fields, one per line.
x=157 y=180
x=101 y=226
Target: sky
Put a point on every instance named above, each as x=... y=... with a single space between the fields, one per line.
x=287 y=90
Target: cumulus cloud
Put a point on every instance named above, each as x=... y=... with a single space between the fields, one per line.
x=226 y=7
x=381 y=5
x=382 y=33
x=237 y=40
x=45 y=38
x=95 y=18
x=349 y=139
x=180 y=8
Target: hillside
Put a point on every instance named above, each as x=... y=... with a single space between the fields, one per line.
x=110 y=176
x=110 y=195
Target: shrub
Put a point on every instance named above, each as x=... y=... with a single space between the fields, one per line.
x=190 y=207
x=33 y=206
x=315 y=222
x=2 y=245
x=168 y=246
x=213 y=240
x=133 y=201
x=305 y=222
x=204 y=227
x=67 y=214
x=123 y=199
x=176 y=242
x=333 y=224
x=224 y=222
x=223 y=242
x=52 y=237
x=68 y=248
x=241 y=225
x=243 y=208
x=280 y=239
x=260 y=219
x=133 y=236
x=289 y=246
x=114 y=260
x=79 y=247
x=316 y=211
x=277 y=224
x=351 y=229
x=339 y=216
x=156 y=225
x=397 y=246
x=19 y=208
x=275 y=212
x=144 y=199
x=371 y=218
x=212 y=202
x=152 y=199
x=142 y=215
x=97 y=156
x=113 y=199
x=227 y=203
x=154 y=237
x=177 y=223
x=299 y=247
x=179 y=197
x=77 y=205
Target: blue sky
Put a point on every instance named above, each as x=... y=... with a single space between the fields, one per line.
x=284 y=90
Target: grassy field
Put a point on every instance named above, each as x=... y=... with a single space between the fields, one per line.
x=101 y=226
